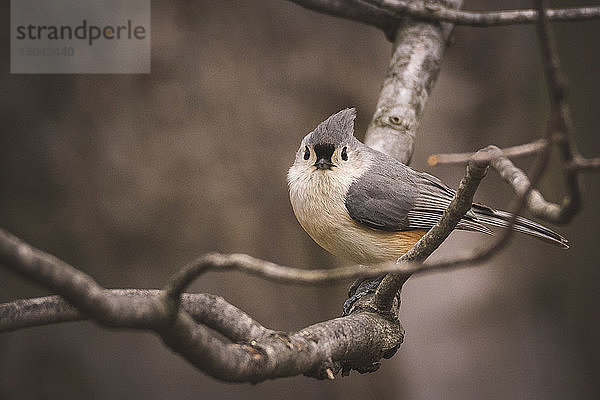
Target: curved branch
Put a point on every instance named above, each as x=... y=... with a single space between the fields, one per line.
x=560 y=125
x=208 y=309
x=385 y=14
x=436 y=12
x=357 y=341
x=268 y=270
x=255 y=353
x=515 y=177
x=77 y=287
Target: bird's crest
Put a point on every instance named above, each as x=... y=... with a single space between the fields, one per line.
x=336 y=129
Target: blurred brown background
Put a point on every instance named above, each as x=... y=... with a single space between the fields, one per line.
x=128 y=177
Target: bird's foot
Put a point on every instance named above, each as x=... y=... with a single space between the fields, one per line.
x=360 y=288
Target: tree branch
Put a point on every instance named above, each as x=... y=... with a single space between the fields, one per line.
x=436 y=12
x=461 y=203
x=208 y=309
x=356 y=10
x=357 y=342
x=386 y=14
x=414 y=67
x=509 y=152
x=581 y=164
x=561 y=125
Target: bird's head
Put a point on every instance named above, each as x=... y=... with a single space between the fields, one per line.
x=331 y=145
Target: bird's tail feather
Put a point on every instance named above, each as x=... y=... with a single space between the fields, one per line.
x=502 y=219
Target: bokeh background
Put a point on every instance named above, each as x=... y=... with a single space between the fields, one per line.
x=128 y=177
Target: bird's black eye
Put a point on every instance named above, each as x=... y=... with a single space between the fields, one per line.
x=306 y=153
x=345 y=154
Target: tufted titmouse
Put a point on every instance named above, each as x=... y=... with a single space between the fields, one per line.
x=367 y=207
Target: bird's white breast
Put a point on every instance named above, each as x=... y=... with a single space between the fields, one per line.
x=318 y=199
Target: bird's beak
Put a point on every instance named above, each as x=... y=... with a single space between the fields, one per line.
x=324 y=163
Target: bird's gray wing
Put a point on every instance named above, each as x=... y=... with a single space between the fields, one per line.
x=433 y=199
x=393 y=197
x=380 y=201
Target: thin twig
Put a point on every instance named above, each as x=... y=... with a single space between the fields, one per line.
x=436 y=12
x=270 y=271
x=581 y=164
x=536 y=204
x=509 y=152
x=561 y=125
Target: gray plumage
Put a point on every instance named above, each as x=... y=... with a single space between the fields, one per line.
x=337 y=129
x=378 y=192
x=393 y=197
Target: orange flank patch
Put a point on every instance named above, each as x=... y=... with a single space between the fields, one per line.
x=405 y=240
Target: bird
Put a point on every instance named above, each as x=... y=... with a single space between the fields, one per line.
x=364 y=206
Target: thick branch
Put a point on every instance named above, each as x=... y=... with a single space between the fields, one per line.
x=416 y=59
x=357 y=341
x=208 y=309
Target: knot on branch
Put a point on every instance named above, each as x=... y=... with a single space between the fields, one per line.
x=328 y=370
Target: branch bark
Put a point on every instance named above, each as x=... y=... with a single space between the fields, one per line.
x=244 y=351
x=385 y=14
x=509 y=152
x=417 y=55
x=560 y=126
x=208 y=309
x=436 y=12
